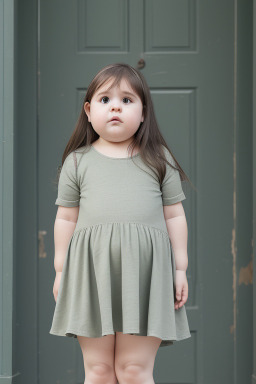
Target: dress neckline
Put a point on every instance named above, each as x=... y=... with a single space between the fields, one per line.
x=114 y=158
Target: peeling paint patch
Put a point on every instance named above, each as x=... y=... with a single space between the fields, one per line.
x=246 y=274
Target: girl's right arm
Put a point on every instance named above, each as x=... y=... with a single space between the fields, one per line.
x=64 y=227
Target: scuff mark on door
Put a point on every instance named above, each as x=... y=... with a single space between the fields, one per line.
x=246 y=274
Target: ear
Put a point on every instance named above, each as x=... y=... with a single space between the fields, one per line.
x=87 y=110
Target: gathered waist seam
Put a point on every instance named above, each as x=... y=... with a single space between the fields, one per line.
x=122 y=222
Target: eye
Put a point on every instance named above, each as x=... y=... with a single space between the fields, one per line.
x=104 y=97
x=126 y=98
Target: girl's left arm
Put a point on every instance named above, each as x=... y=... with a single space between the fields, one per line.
x=176 y=224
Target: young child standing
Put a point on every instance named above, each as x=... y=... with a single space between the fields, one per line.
x=120 y=234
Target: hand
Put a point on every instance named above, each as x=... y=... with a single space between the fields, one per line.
x=181 y=289
x=56 y=285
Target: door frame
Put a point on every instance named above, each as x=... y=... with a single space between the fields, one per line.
x=254 y=191
x=7 y=26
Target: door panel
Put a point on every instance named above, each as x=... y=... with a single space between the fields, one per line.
x=187 y=47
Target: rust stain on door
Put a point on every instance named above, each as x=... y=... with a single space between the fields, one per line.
x=246 y=274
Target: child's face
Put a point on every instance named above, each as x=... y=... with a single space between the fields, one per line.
x=116 y=102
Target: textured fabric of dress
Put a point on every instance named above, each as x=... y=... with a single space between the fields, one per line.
x=119 y=271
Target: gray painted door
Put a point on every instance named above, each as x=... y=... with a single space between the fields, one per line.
x=187 y=47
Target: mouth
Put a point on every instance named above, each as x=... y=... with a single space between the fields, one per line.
x=116 y=118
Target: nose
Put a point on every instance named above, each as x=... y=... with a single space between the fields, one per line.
x=115 y=106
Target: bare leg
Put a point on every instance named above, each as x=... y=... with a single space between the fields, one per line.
x=135 y=358
x=98 y=355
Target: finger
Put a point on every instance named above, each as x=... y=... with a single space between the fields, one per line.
x=184 y=297
x=182 y=302
x=178 y=294
x=184 y=293
x=177 y=302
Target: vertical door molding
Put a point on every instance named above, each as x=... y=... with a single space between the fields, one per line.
x=6 y=190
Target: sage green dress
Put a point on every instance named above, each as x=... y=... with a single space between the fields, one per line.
x=119 y=270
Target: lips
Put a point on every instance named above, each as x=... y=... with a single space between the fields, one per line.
x=116 y=118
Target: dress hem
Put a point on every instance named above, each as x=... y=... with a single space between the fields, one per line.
x=72 y=332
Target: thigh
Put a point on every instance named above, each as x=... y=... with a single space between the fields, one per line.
x=98 y=351
x=134 y=350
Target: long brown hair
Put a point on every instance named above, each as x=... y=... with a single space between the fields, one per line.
x=147 y=138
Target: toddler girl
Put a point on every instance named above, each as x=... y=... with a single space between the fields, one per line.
x=119 y=289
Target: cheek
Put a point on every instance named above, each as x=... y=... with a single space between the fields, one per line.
x=135 y=114
x=97 y=113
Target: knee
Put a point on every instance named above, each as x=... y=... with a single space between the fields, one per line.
x=98 y=373
x=131 y=373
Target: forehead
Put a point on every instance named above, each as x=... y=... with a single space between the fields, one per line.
x=123 y=86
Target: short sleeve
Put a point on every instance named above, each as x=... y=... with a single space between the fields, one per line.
x=171 y=186
x=68 y=187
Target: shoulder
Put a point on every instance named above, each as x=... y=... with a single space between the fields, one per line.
x=69 y=164
x=70 y=159
x=168 y=155
x=81 y=151
x=68 y=169
x=73 y=158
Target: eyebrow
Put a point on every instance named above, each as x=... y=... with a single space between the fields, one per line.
x=123 y=92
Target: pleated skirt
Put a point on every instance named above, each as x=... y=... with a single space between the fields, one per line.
x=119 y=277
